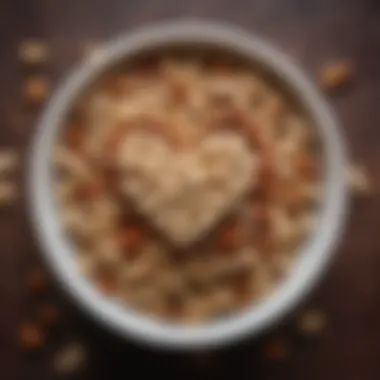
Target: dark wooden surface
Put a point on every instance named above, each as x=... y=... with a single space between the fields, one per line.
x=313 y=32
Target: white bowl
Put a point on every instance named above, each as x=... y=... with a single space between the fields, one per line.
x=313 y=256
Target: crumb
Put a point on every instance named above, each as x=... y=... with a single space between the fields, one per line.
x=37 y=281
x=35 y=89
x=276 y=350
x=31 y=336
x=359 y=181
x=335 y=75
x=9 y=159
x=48 y=314
x=70 y=359
x=8 y=193
x=33 y=52
x=312 y=322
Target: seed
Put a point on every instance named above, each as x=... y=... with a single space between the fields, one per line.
x=336 y=74
x=312 y=322
x=33 y=52
x=31 y=336
x=35 y=89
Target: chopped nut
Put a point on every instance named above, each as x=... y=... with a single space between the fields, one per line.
x=359 y=181
x=306 y=166
x=33 y=52
x=230 y=237
x=31 y=336
x=88 y=190
x=276 y=350
x=48 y=314
x=8 y=161
x=106 y=282
x=132 y=239
x=37 y=281
x=8 y=193
x=75 y=137
x=70 y=359
x=35 y=89
x=312 y=322
x=336 y=74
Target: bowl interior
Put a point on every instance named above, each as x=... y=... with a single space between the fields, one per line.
x=186 y=40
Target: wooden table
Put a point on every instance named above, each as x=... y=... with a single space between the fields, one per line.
x=313 y=32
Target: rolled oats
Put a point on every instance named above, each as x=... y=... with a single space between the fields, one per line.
x=33 y=52
x=359 y=180
x=189 y=189
x=70 y=359
x=312 y=322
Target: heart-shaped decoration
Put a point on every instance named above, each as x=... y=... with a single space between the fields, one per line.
x=183 y=193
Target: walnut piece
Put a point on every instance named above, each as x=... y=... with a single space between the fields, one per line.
x=336 y=74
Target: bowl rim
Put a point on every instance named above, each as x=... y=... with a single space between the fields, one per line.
x=314 y=256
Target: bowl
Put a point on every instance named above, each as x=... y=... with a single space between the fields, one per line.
x=313 y=257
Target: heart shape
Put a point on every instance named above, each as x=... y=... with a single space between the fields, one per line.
x=184 y=193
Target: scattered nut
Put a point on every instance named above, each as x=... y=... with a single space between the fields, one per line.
x=312 y=322
x=70 y=359
x=359 y=181
x=8 y=160
x=48 y=314
x=31 y=336
x=8 y=193
x=35 y=89
x=336 y=74
x=33 y=52
x=276 y=350
x=37 y=281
